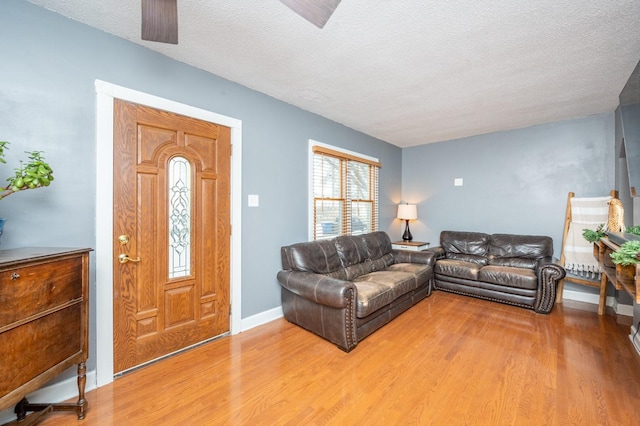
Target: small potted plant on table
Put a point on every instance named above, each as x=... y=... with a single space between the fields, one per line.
x=625 y=259
x=593 y=236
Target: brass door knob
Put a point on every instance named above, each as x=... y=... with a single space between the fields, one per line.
x=124 y=258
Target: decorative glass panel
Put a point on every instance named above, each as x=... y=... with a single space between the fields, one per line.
x=179 y=217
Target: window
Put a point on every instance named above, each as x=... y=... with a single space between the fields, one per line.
x=345 y=193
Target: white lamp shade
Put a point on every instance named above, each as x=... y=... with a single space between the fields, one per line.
x=407 y=211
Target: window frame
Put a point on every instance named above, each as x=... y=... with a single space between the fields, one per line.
x=349 y=155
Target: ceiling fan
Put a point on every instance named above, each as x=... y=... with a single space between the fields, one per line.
x=160 y=21
x=160 y=17
x=317 y=12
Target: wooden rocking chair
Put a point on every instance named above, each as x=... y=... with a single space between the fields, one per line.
x=597 y=282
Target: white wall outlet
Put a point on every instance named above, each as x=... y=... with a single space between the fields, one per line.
x=457 y=182
x=253 y=200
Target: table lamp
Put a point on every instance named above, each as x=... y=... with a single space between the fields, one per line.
x=407 y=212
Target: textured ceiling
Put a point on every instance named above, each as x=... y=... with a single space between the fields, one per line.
x=408 y=72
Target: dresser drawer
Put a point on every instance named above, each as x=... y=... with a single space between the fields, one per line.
x=33 y=289
x=30 y=349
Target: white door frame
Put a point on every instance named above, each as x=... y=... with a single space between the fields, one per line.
x=106 y=92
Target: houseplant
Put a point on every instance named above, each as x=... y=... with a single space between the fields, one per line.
x=35 y=173
x=594 y=236
x=625 y=259
x=635 y=230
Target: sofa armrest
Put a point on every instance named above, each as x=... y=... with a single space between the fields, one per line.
x=318 y=288
x=549 y=272
x=438 y=252
x=405 y=256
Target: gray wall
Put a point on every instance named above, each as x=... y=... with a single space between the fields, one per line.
x=513 y=181
x=48 y=102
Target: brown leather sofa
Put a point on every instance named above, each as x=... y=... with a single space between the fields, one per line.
x=514 y=269
x=345 y=288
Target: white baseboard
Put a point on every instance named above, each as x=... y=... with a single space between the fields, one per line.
x=261 y=318
x=56 y=392
x=578 y=296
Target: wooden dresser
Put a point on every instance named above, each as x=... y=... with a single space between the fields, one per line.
x=44 y=301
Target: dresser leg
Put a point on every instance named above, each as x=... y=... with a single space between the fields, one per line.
x=21 y=409
x=82 y=381
x=41 y=410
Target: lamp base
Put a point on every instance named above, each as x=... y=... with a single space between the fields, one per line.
x=407 y=233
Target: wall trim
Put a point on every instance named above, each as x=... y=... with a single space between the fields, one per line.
x=105 y=94
x=262 y=318
x=594 y=299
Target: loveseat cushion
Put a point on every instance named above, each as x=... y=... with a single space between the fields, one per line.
x=509 y=277
x=465 y=246
x=458 y=269
x=519 y=251
x=514 y=262
x=468 y=258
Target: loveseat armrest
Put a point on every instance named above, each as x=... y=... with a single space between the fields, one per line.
x=405 y=256
x=318 y=288
x=552 y=263
x=549 y=272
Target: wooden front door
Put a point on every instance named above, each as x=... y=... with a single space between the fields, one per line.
x=171 y=213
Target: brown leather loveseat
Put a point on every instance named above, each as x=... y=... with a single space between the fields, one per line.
x=514 y=269
x=345 y=288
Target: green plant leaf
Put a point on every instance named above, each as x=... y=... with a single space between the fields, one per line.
x=626 y=254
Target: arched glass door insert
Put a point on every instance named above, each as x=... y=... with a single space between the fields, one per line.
x=179 y=217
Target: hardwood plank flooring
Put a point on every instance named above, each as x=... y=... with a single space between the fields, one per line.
x=449 y=360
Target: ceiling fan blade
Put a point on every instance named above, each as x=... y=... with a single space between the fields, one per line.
x=317 y=12
x=160 y=21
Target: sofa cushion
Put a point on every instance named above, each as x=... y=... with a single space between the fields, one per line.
x=378 y=244
x=458 y=269
x=509 y=276
x=351 y=250
x=421 y=271
x=383 y=262
x=378 y=289
x=474 y=243
x=320 y=257
x=354 y=256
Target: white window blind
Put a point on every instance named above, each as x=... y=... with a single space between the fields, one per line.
x=345 y=194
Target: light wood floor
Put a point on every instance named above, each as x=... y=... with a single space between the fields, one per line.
x=450 y=360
